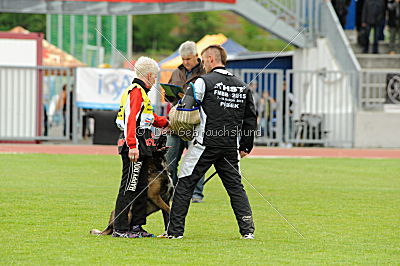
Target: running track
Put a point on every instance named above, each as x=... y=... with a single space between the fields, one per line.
x=257 y=151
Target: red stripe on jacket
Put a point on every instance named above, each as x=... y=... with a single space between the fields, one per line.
x=135 y=103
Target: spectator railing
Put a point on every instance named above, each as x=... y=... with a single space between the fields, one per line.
x=317 y=107
x=379 y=87
x=320 y=108
x=302 y=15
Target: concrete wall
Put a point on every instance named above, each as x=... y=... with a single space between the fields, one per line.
x=377 y=130
x=318 y=58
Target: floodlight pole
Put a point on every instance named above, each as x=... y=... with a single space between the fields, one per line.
x=60 y=31
x=48 y=28
x=113 y=39
x=98 y=39
x=129 y=41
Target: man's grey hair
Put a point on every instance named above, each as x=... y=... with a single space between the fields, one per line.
x=188 y=48
x=145 y=65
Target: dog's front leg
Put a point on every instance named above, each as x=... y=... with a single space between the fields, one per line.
x=166 y=219
x=154 y=195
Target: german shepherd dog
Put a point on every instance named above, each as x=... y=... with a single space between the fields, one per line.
x=160 y=188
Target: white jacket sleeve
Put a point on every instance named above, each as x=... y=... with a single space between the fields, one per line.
x=200 y=88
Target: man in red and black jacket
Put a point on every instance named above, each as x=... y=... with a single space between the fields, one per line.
x=135 y=118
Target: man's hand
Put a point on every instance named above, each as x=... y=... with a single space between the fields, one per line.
x=243 y=154
x=134 y=154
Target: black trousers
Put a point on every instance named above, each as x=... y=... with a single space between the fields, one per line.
x=132 y=192
x=195 y=164
x=376 y=29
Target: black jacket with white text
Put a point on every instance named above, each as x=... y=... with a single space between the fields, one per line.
x=227 y=112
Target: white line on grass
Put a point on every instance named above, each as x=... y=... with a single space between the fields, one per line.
x=281 y=157
x=15 y=152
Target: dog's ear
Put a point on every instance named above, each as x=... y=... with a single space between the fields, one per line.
x=161 y=141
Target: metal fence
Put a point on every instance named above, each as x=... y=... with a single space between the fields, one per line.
x=297 y=13
x=296 y=108
x=266 y=86
x=284 y=10
x=379 y=87
x=303 y=108
x=320 y=108
x=37 y=103
x=303 y=15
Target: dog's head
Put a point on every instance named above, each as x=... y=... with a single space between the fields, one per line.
x=161 y=149
x=161 y=145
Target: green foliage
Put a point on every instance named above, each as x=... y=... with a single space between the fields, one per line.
x=347 y=209
x=254 y=38
x=31 y=22
x=165 y=32
x=154 y=32
x=200 y=24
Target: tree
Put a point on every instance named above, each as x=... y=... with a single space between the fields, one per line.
x=154 y=32
x=165 y=32
x=254 y=38
x=31 y=22
x=200 y=24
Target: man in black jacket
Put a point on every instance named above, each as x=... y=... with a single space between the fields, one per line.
x=359 y=10
x=225 y=133
x=341 y=8
x=373 y=17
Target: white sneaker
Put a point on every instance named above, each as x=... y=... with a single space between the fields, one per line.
x=248 y=236
x=175 y=237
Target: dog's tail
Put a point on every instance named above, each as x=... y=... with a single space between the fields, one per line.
x=110 y=226
x=101 y=233
x=95 y=232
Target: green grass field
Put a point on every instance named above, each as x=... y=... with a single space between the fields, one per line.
x=347 y=209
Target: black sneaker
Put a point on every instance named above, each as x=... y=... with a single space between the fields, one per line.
x=138 y=229
x=125 y=234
